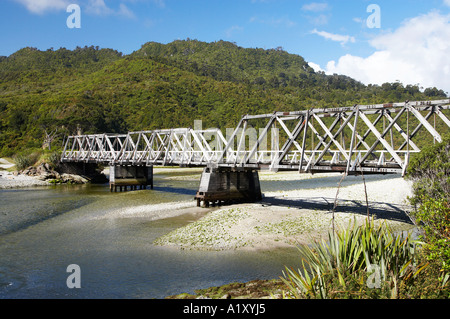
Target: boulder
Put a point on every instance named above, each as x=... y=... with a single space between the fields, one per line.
x=42 y=170
x=70 y=178
x=30 y=171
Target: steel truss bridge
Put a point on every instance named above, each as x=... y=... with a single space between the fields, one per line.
x=377 y=139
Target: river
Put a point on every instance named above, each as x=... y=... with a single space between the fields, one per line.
x=109 y=236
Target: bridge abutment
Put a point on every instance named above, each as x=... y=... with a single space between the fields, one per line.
x=224 y=185
x=90 y=171
x=122 y=176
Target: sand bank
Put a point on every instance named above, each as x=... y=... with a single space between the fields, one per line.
x=295 y=217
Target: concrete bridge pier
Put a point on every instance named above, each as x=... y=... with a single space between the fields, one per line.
x=122 y=176
x=226 y=185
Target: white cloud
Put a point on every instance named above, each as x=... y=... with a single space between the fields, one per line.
x=315 y=7
x=283 y=21
x=124 y=11
x=316 y=67
x=96 y=7
x=99 y=7
x=343 y=39
x=416 y=53
x=235 y=28
x=321 y=19
x=41 y=6
x=160 y=3
x=447 y=2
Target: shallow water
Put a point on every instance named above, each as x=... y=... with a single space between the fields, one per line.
x=110 y=235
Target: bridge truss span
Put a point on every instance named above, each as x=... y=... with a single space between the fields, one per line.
x=376 y=139
x=167 y=147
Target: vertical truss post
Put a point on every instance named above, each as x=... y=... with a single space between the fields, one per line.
x=261 y=137
x=305 y=131
x=407 y=148
x=230 y=141
x=290 y=141
x=241 y=142
x=352 y=142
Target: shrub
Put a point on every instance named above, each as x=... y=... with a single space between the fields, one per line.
x=53 y=159
x=341 y=267
x=430 y=284
x=27 y=158
x=430 y=172
x=22 y=161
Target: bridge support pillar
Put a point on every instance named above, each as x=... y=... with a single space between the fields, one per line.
x=122 y=177
x=225 y=185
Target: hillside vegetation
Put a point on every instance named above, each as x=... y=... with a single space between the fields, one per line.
x=93 y=90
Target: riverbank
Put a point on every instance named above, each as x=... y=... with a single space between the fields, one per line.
x=10 y=180
x=255 y=289
x=38 y=175
x=289 y=218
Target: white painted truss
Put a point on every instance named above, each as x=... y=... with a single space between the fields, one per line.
x=363 y=138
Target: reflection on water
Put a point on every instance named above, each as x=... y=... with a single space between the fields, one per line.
x=110 y=235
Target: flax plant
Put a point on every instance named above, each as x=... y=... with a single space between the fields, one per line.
x=348 y=254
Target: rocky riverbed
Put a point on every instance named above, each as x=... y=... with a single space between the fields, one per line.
x=255 y=289
x=41 y=175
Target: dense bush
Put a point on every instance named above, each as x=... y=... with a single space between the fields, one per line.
x=341 y=266
x=26 y=159
x=430 y=171
x=22 y=162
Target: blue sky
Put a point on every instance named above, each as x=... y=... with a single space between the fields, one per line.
x=411 y=44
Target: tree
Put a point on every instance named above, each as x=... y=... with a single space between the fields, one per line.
x=48 y=139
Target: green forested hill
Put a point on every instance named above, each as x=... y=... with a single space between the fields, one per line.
x=225 y=61
x=164 y=85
